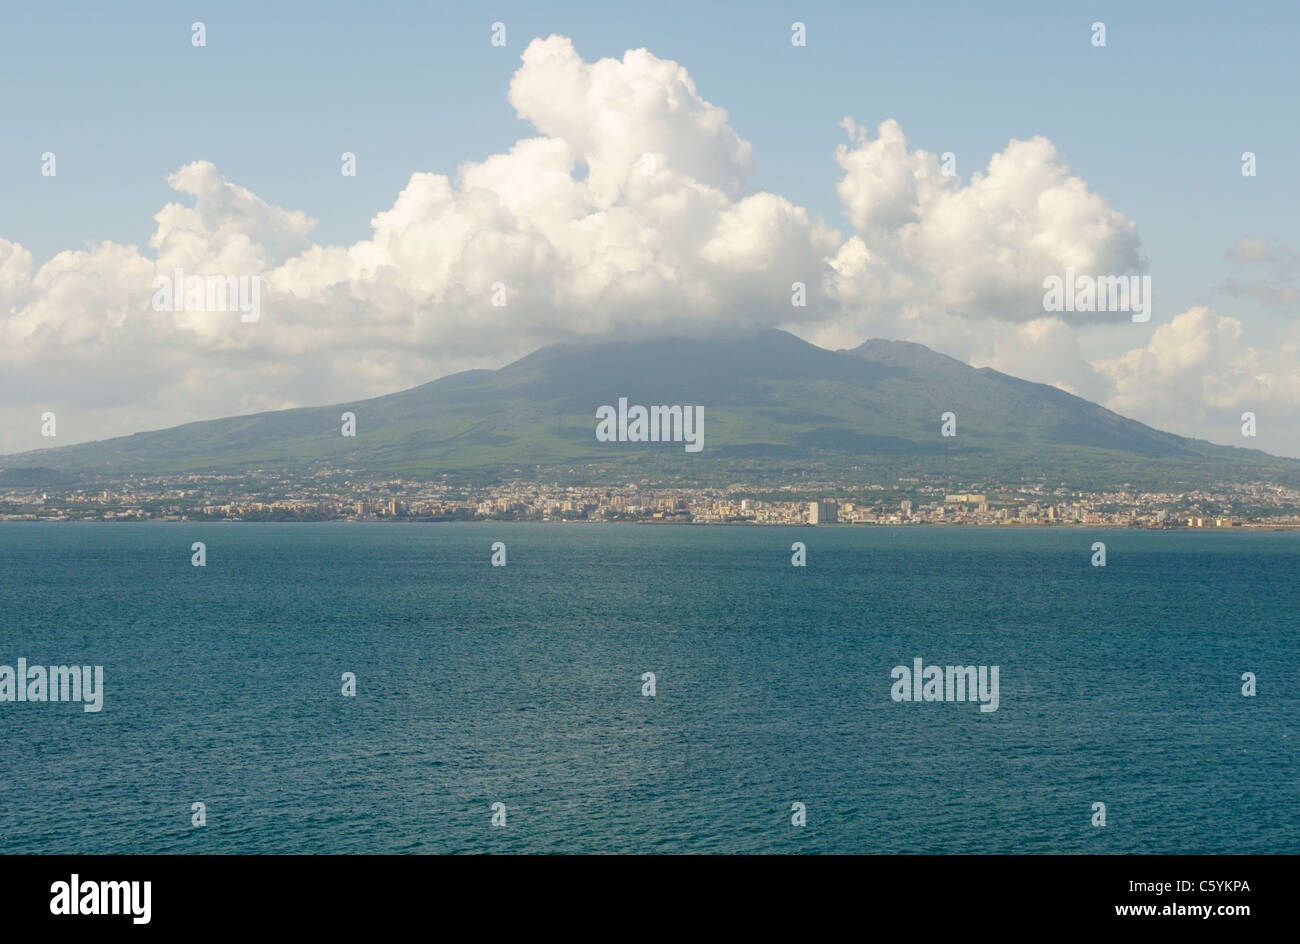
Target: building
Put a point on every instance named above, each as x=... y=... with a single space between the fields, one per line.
x=822 y=512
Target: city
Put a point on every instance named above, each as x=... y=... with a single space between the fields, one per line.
x=342 y=495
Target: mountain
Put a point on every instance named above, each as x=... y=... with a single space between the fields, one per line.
x=774 y=407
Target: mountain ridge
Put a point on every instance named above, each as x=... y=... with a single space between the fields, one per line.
x=775 y=405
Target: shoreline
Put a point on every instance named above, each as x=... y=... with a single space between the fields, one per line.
x=1079 y=526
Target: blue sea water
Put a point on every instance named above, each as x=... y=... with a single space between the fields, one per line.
x=522 y=685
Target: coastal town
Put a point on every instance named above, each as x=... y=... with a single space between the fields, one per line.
x=340 y=495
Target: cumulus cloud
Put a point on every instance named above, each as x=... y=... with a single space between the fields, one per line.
x=959 y=265
x=1196 y=376
x=630 y=211
x=611 y=113
x=926 y=242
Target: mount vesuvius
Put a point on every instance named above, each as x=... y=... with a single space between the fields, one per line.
x=774 y=406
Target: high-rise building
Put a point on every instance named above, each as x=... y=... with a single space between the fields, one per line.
x=822 y=512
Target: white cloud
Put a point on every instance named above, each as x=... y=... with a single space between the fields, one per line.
x=228 y=229
x=1196 y=377
x=630 y=211
x=612 y=112
x=980 y=248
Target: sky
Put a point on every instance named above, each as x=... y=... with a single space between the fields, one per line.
x=525 y=164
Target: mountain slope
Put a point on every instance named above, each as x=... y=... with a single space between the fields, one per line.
x=774 y=406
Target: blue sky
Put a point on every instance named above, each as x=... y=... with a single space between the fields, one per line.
x=1155 y=122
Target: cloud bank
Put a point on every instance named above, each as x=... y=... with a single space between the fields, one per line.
x=630 y=212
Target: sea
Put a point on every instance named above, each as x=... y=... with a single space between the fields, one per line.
x=507 y=709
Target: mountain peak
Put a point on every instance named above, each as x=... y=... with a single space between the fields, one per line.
x=905 y=354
